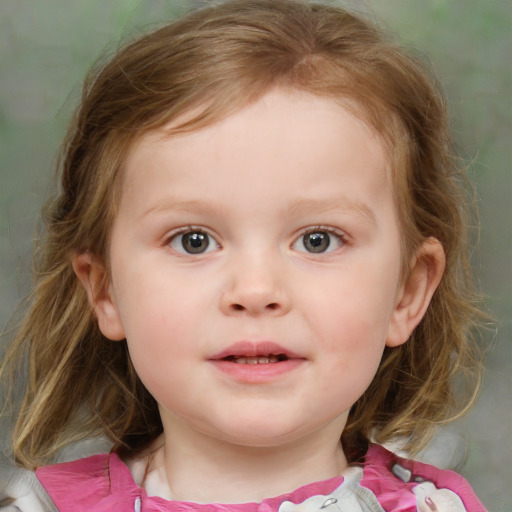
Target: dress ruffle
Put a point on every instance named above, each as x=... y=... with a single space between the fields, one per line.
x=384 y=483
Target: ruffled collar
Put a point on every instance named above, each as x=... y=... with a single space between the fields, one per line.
x=385 y=482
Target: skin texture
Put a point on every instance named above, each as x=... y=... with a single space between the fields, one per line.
x=254 y=184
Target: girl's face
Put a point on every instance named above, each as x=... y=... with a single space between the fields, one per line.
x=255 y=271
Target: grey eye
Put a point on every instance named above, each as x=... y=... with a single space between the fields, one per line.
x=316 y=242
x=195 y=243
x=192 y=242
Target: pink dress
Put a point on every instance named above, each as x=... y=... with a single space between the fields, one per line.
x=384 y=483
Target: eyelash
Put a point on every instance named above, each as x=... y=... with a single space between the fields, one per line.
x=175 y=235
x=331 y=232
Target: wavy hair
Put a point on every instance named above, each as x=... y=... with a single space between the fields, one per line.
x=211 y=63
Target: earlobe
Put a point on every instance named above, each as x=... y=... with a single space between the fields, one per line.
x=425 y=274
x=93 y=276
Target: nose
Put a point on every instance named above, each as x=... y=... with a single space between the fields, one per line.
x=255 y=288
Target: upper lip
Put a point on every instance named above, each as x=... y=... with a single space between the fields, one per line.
x=255 y=349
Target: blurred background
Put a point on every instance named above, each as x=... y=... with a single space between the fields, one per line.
x=47 y=47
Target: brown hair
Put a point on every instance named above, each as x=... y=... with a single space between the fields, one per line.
x=212 y=62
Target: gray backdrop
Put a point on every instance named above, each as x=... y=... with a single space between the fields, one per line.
x=46 y=48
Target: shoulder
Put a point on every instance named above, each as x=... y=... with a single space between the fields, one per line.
x=95 y=467
x=97 y=483
x=399 y=482
x=20 y=491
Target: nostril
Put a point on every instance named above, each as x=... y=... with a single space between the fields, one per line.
x=255 y=309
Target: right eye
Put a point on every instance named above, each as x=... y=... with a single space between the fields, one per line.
x=319 y=241
x=193 y=242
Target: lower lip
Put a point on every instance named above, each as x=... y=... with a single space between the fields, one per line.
x=257 y=373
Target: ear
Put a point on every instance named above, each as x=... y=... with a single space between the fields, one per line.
x=94 y=279
x=426 y=271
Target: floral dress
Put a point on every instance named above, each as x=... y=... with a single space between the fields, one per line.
x=103 y=483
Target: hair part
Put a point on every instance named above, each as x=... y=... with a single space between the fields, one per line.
x=212 y=63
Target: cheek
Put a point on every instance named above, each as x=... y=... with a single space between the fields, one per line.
x=161 y=349
x=353 y=312
x=155 y=321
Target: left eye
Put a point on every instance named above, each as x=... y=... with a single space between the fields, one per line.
x=193 y=242
x=318 y=241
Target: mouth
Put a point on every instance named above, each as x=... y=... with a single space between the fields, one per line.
x=257 y=362
x=260 y=359
x=261 y=352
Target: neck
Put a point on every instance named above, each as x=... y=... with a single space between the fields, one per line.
x=201 y=469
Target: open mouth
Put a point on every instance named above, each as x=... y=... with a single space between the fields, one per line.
x=263 y=359
x=256 y=362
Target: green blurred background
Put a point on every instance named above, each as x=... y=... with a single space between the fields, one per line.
x=47 y=47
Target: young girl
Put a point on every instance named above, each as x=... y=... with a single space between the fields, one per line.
x=258 y=248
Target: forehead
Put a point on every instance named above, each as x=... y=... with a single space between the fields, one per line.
x=292 y=133
x=277 y=109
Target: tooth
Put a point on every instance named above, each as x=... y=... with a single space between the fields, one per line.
x=257 y=359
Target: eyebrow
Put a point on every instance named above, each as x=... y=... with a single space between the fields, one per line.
x=332 y=205
x=297 y=207
x=173 y=204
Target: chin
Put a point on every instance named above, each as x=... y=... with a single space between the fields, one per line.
x=260 y=435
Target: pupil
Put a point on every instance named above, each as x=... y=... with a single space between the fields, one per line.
x=195 y=243
x=316 y=242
